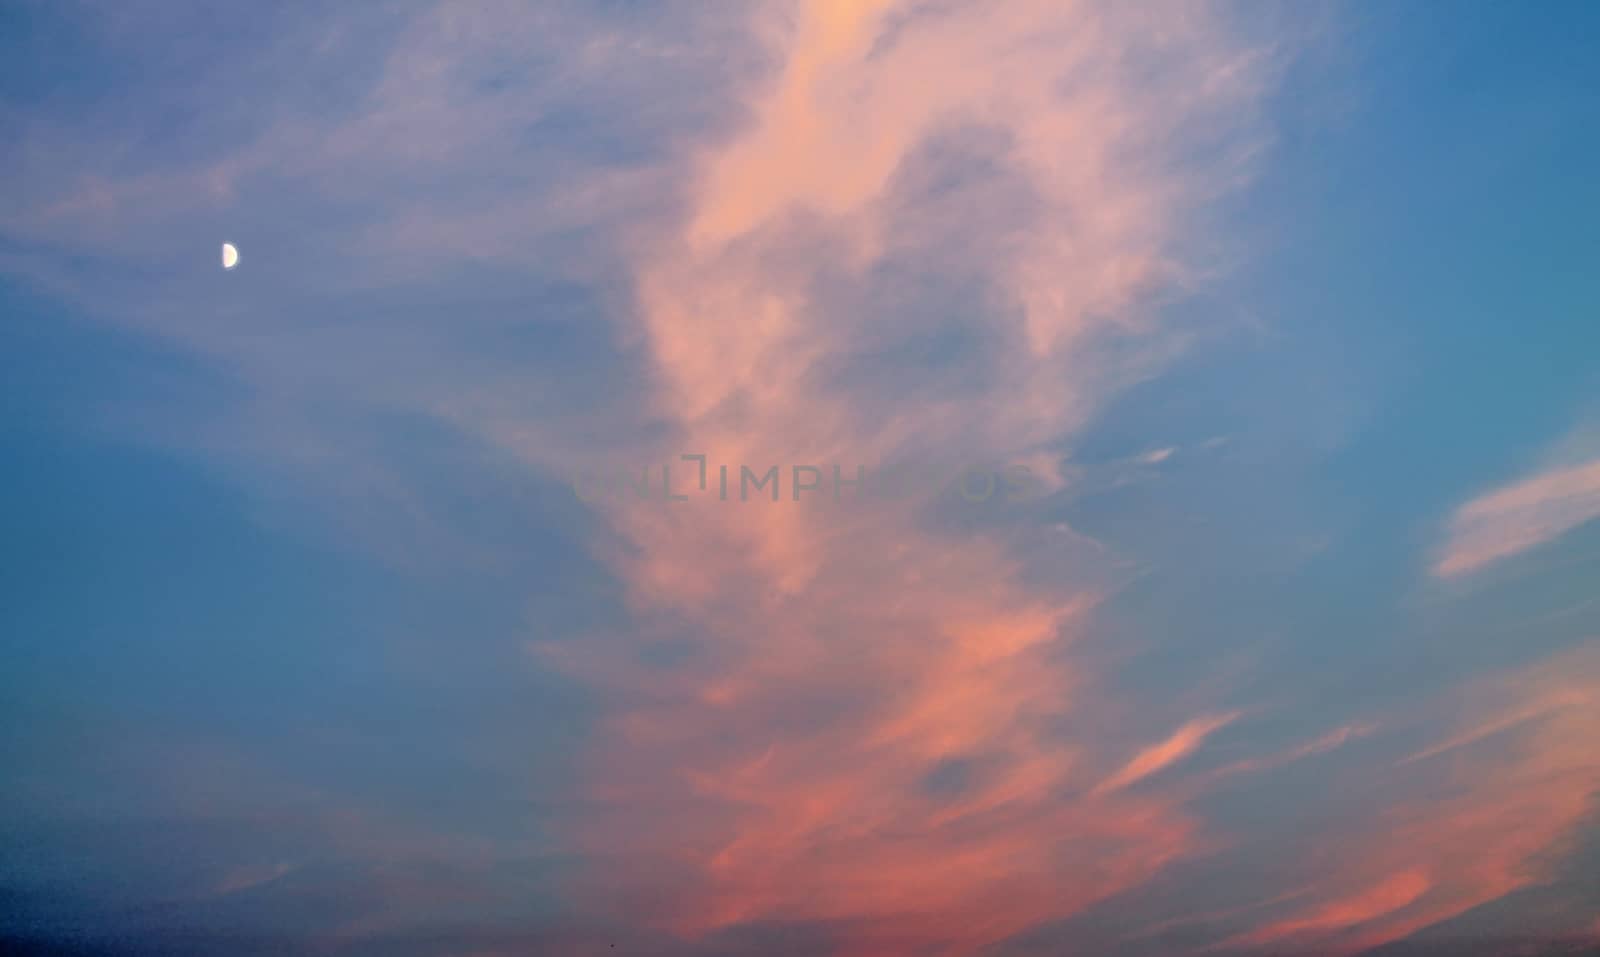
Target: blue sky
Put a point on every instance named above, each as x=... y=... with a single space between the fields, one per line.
x=1288 y=311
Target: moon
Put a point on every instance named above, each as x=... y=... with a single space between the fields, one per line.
x=230 y=256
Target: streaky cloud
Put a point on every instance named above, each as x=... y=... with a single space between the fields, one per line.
x=1518 y=518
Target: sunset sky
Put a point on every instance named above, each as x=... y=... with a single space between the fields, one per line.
x=1186 y=423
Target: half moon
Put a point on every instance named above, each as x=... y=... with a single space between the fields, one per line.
x=230 y=256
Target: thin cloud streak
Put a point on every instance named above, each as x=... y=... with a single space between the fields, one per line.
x=1184 y=742
x=1518 y=518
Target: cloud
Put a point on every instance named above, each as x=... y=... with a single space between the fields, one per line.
x=911 y=179
x=1183 y=743
x=1155 y=456
x=1483 y=812
x=1519 y=517
x=1337 y=738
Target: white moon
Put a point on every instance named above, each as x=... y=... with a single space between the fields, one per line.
x=230 y=256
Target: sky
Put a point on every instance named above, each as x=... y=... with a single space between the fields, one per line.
x=897 y=477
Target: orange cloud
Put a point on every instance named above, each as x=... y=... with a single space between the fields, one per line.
x=1482 y=814
x=865 y=726
x=1183 y=743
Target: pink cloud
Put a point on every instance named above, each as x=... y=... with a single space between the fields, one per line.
x=1183 y=742
x=1464 y=821
x=845 y=657
x=1519 y=517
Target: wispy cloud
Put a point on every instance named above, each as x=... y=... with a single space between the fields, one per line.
x=1183 y=743
x=1519 y=517
x=1479 y=814
x=898 y=158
